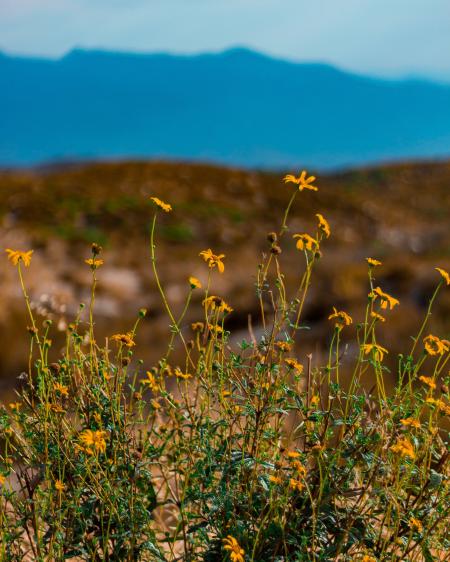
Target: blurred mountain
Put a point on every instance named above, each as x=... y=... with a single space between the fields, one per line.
x=237 y=107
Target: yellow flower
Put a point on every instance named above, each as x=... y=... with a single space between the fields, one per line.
x=215 y=328
x=197 y=326
x=377 y=350
x=367 y=558
x=411 y=422
x=445 y=274
x=160 y=204
x=306 y=242
x=415 y=525
x=216 y=303
x=315 y=400
x=385 y=299
x=194 y=283
x=428 y=381
x=179 y=374
x=60 y=486
x=15 y=256
x=377 y=316
x=302 y=181
x=213 y=260
x=275 y=479
x=150 y=381
x=434 y=345
x=62 y=389
x=294 y=364
x=342 y=318
x=124 y=339
x=15 y=406
x=236 y=552
x=94 y=262
x=323 y=225
x=404 y=447
x=299 y=468
x=293 y=454
x=2 y=479
x=283 y=345
x=93 y=440
x=156 y=405
x=296 y=484
x=372 y=262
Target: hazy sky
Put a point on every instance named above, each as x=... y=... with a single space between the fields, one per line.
x=387 y=37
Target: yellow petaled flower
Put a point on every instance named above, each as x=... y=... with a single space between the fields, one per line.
x=296 y=484
x=415 y=525
x=62 y=389
x=2 y=479
x=232 y=546
x=411 y=422
x=226 y=393
x=306 y=242
x=15 y=406
x=213 y=260
x=194 y=283
x=440 y=404
x=404 y=447
x=293 y=454
x=323 y=225
x=216 y=303
x=341 y=317
x=124 y=339
x=376 y=349
x=15 y=256
x=387 y=301
x=160 y=204
x=275 y=479
x=283 y=345
x=367 y=558
x=156 y=405
x=93 y=441
x=372 y=262
x=434 y=345
x=197 y=326
x=294 y=364
x=94 y=262
x=215 y=328
x=445 y=275
x=377 y=316
x=315 y=400
x=302 y=181
x=150 y=381
x=57 y=408
x=180 y=375
x=428 y=381
x=299 y=468
x=60 y=486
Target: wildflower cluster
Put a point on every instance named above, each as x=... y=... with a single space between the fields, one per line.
x=230 y=450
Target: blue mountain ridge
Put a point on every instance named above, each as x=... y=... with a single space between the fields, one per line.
x=238 y=107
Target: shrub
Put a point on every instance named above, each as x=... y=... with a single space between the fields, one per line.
x=240 y=452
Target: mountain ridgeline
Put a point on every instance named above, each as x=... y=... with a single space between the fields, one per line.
x=238 y=107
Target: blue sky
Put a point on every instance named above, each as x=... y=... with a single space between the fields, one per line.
x=382 y=37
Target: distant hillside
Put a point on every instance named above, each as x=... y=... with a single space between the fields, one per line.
x=238 y=107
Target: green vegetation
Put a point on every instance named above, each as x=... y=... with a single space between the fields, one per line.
x=249 y=451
